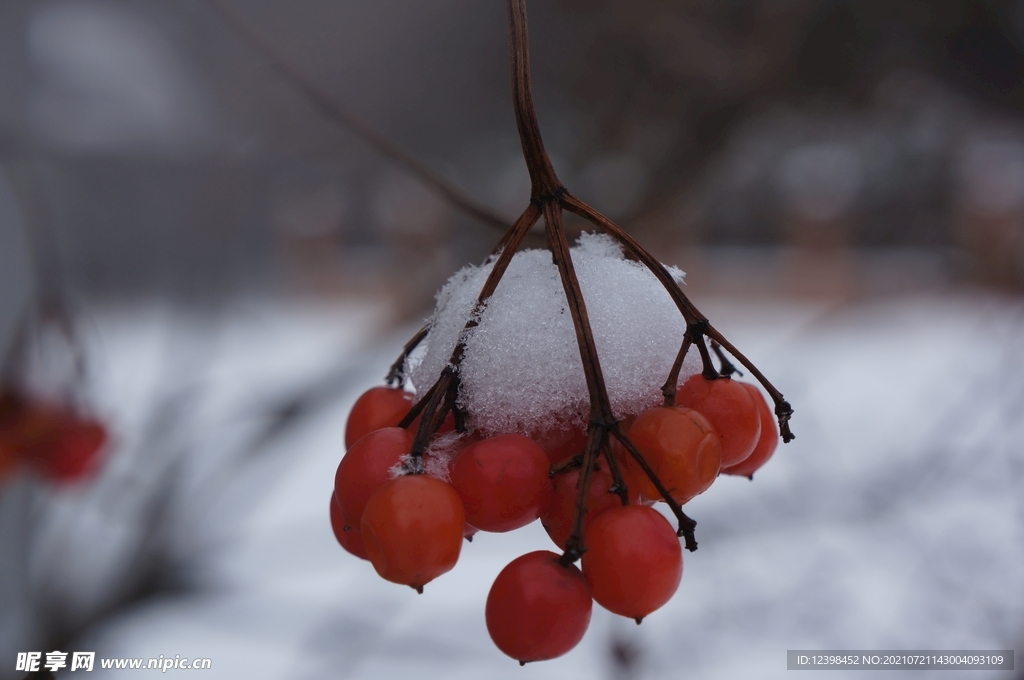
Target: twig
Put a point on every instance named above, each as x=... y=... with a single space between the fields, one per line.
x=396 y=374
x=686 y=525
x=671 y=383
x=428 y=405
x=691 y=314
x=328 y=106
x=726 y=369
x=618 y=483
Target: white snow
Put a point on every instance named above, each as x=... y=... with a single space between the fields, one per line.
x=522 y=370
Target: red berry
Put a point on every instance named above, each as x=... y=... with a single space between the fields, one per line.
x=378 y=407
x=633 y=560
x=75 y=454
x=412 y=529
x=731 y=411
x=348 y=536
x=366 y=466
x=560 y=515
x=538 y=609
x=10 y=461
x=766 y=443
x=562 y=443
x=56 y=441
x=681 y=449
x=503 y=482
x=381 y=407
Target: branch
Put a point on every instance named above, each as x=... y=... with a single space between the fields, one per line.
x=448 y=379
x=686 y=525
x=691 y=314
x=329 y=107
x=396 y=374
x=542 y=174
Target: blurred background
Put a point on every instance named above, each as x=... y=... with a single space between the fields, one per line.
x=194 y=255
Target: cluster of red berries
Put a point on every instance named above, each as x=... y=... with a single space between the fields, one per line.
x=53 y=440
x=410 y=525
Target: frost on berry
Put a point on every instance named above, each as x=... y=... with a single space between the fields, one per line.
x=522 y=370
x=438 y=458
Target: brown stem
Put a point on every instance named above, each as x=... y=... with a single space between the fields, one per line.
x=672 y=382
x=619 y=487
x=418 y=407
x=566 y=465
x=448 y=406
x=600 y=405
x=448 y=380
x=328 y=106
x=783 y=411
x=438 y=393
x=686 y=525
x=601 y=416
x=396 y=374
x=542 y=174
x=727 y=368
x=549 y=193
x=709 y=371
x=691 y=314
x=574 y=546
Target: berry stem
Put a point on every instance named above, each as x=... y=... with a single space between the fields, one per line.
x=727 y=369
x=600 y=406
x=575 y=545
x=691 y=314
x=438 y=392
x=446 y=386
x=418 y=407
x=544 y=182
x=783 y=411
x=551 y=196
x=686 y=525
x=618 y=487
x=396 y=374
x=566 y=465
x=672 y=383
x=697 y=331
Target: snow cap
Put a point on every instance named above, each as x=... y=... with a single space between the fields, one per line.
x=522 y=370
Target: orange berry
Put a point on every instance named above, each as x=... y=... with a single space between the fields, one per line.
x=377 y=407
x=766 y=443
x=681 y=449
x=633 y=560
x=412 y=528
x=731 y=411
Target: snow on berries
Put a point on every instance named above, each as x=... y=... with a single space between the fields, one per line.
x=521 y=372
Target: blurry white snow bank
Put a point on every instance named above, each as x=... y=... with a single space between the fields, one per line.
x=522 y=370
x=895 y=520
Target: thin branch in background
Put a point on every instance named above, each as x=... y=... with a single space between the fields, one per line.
x=329 y=107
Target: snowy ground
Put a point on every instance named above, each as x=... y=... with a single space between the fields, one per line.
x=895 y=520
